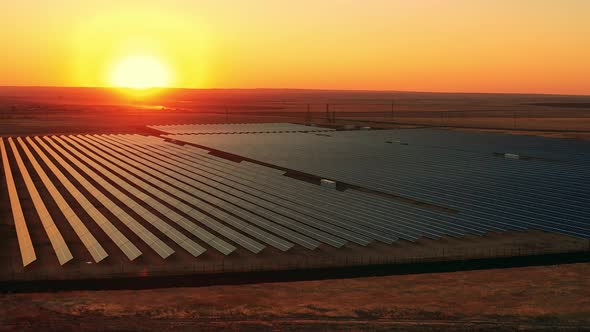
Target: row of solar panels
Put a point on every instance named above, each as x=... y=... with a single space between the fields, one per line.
x=488 y=143
x=234 y=128
x=490 y=193
x=222 y=204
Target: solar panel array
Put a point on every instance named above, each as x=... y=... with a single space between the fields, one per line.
x=235 y=128
x=58 y=243
x=91 y=244
x=546 y=188
x=114 y=234
x=96 y=196
x=22 y=232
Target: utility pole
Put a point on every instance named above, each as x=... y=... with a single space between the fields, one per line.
x=513 y=119
x=226 y=114
x=328 y=112
x=308 y=119
x=392 y=110
x=334 y=114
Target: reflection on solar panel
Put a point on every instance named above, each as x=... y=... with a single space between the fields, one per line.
x=201 y=233
x=96 y=250
x=148 y=237
x=395 y=218
x=236 y=128
x=150 y=184
x=228 y=193
x=180 y=239
x=399 y=222
x=57 y=241
x=213 y=205
x=128 y=248
x=195 y=169
x=22 y=233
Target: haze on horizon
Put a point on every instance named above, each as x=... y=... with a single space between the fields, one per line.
x=523 y=46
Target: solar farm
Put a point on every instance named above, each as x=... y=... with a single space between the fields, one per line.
x=236 y=128
x=277 y=196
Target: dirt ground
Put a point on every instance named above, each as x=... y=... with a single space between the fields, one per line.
x=531 y=298
x=37 y=111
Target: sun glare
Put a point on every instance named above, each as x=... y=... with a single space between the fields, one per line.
x=140 y=72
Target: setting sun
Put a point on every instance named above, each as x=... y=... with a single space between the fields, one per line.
x=140 y=72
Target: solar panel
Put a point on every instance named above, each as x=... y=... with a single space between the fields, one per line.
x=96 y=250
x=179 y=238
x=112 y=232
x=190 y=167
x=233 y=128
x=148 y=237
x=152 y=188
x=238 y=202
x=456 y=170
x=205 y=200
x=283 y=183
x=407 y=224
x=138 y=229
x=55 y=238
x=25 y=244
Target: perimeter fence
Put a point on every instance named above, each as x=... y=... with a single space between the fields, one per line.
x=515 y=117
x=542 y=119
x=294 y=263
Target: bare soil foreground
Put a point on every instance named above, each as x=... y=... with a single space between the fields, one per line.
x=530 y=298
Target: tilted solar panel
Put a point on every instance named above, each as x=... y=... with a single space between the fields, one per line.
x=130 y=250
x=148 y=237
x=179 y=238
x=57 y=241
x=96 y=250
x=25 y=244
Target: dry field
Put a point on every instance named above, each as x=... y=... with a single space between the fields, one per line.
x=547 y=298
x=30 y=111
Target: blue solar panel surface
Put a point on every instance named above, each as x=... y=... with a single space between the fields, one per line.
x=547 y=188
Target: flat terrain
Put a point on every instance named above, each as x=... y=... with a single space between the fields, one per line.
x=400 y=230
x=28 y=111
x=532 y=298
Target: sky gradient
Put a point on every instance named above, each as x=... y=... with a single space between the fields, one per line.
x=529 y=46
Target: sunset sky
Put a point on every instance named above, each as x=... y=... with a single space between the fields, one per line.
x=540 y=46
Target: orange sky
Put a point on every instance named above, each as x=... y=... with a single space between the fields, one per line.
x=539 y=46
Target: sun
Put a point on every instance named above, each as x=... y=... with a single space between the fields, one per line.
x=140 y=72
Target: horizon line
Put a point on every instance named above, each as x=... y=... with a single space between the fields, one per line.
x=302 y=89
